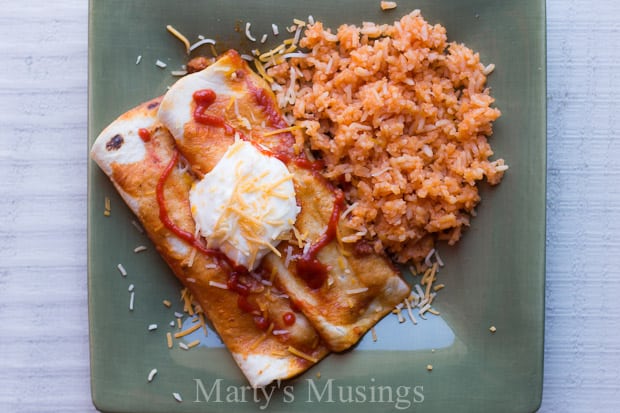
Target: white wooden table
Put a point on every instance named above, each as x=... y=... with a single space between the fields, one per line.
x=44 y=362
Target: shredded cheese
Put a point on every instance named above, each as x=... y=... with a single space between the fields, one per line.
x=179 y=36
x=139 y=248
x=302 y=355
x=137 y=226
x=200 y=43
x=122 y=270
x=410 y=312
x=427 y=259
x=247 y=32
x=202 y=323
x=186 y=332
x=265 y=56
x=283 y=130
x=262 y=337
x=218 y=285
x=353 y=291
x=261 y=71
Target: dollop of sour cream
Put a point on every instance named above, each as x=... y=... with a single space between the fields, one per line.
x=245 y=204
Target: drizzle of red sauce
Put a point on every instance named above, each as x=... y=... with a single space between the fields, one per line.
x=294 y=306
x=262 y=322
x=288 y=318
x=262 y=99
x=144 y=134
x=234 y=284
x=309 y=268
x=300 y=160
x=245 y=305
x=165 y=218
x=205 y=98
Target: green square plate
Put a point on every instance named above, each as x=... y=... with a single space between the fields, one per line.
x=494 y=276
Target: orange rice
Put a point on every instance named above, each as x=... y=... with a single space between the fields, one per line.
x=401 y=118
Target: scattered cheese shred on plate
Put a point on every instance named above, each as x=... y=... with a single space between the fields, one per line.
x=139 y=248
x=247 y=32
x=179 y=36
x=151 y=375
x=122 y=270
x=200 y=43
x=186 y=332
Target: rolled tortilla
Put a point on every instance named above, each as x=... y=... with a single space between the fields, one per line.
x=135 y=166
x=360 y=288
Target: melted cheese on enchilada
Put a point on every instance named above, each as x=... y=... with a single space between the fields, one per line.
x=245 y=204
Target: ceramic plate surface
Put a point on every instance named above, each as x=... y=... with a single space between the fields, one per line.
x=494 y=276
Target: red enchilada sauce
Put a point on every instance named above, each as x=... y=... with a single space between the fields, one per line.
x=203 y=99
x=234 y=281
x=165 y=218
x=288 y=318
x=144 y=134
x=264 y=101
x=309 y=268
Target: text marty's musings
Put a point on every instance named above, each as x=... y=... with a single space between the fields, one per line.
x=317 y=391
